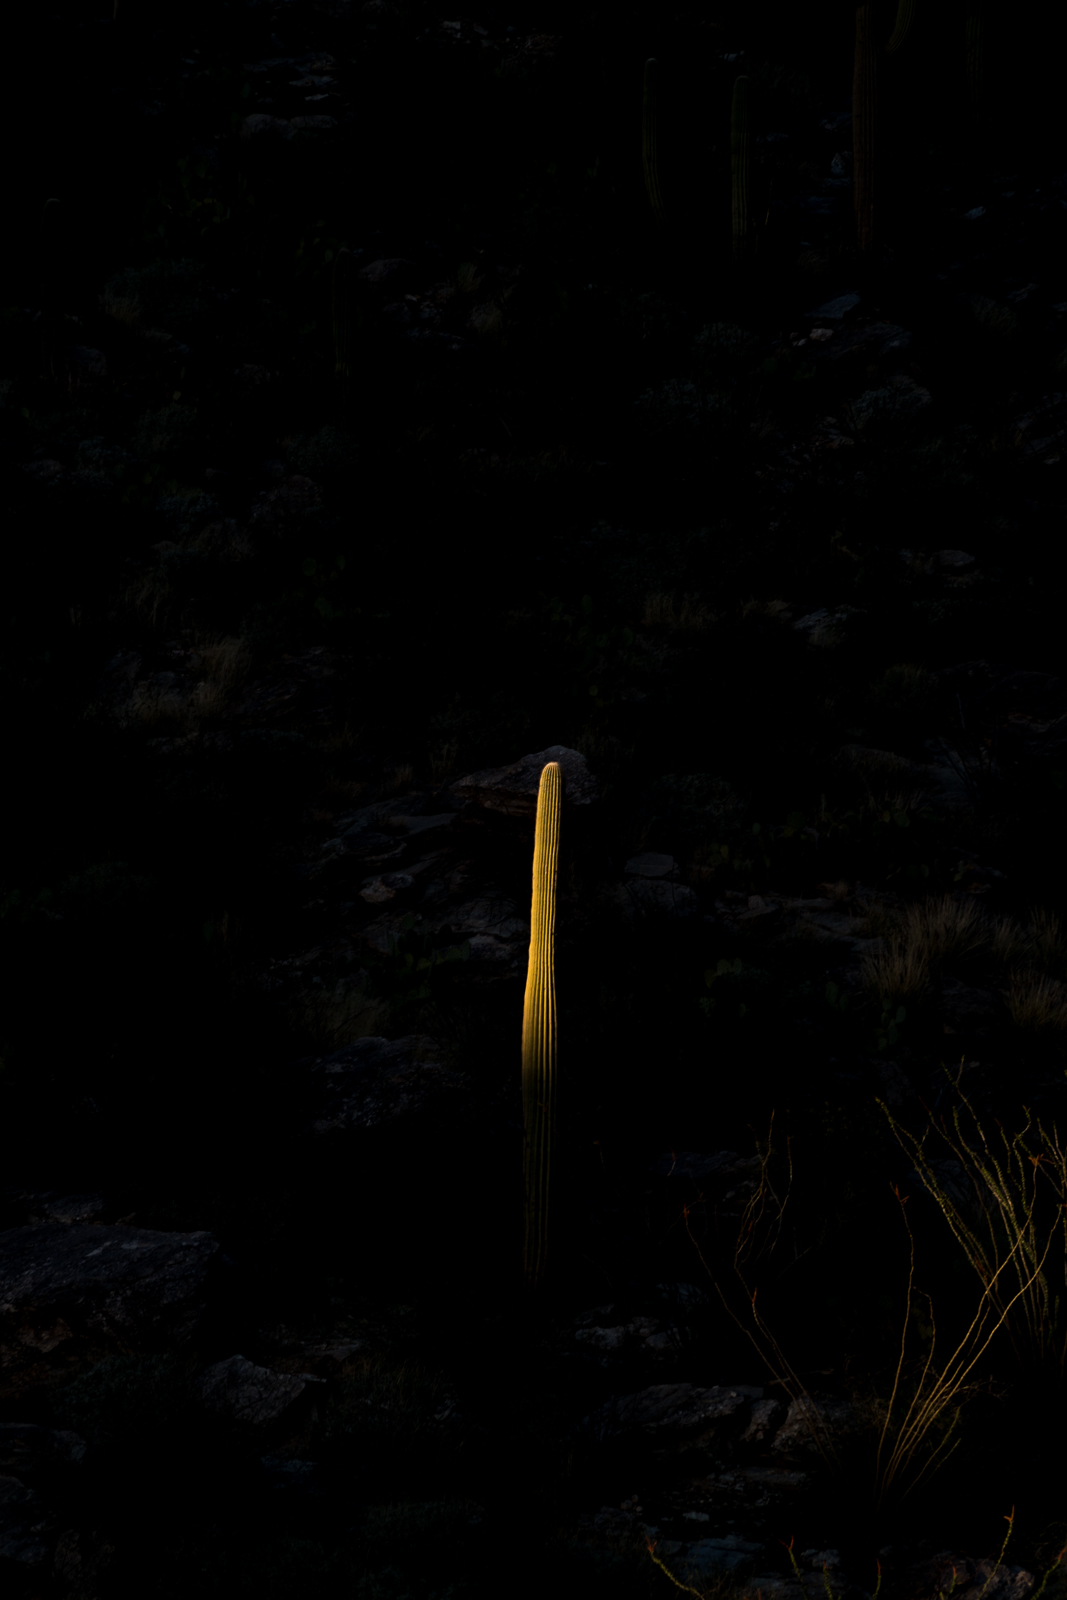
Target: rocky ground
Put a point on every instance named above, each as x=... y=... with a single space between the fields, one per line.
x=365 y=444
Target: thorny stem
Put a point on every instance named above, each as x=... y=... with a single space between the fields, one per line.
x=678 y=1584
x=1009 y=1520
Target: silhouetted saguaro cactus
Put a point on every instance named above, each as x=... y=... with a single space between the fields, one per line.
x=864 y=112
x=865 y=76
x=650 y=138
x=539 y=1030
x=345 y=316
x=52 y=227
x=741 y=171
x=905 y=21
x=975 y=54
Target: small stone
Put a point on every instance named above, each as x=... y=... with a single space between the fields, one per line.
x=651 y=865
x=834 y=310
x=953 y=558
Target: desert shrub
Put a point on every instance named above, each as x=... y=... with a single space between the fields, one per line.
x=168 y=432
x=187 y=511
x=327 y=455
x=173 y=293
x=105 y=890
x=691 y=809
x=422 y=1536
x=126 y=1402
x=654 y=318
x=723 y=350
x=685 y=409
x=904 y=693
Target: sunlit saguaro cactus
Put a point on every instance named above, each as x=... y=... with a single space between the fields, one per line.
x=650 y=138
x=539 y=1042
x=741 y=171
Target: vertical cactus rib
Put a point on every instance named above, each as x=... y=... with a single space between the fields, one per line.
x=539 y=1030
x=52 y=261
x=650 y=138
x=864 y=109
x=345 y=314
x=741 y=170
x=905 y=20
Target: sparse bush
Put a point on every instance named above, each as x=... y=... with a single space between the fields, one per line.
x=167 y=432
x=904 y=694
x=329 y=455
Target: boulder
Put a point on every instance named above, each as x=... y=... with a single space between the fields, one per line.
x=20 y=1523
x=75 y=1292
x=678 y=1415
x=258 y=1395
x=812 y=1425
x=513 y=790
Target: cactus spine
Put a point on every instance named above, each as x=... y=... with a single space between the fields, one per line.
x=539 y=1030
x=650 y=139
x=741 y=171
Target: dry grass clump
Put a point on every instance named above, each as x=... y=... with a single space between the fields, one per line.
x=125 y=308
x=1040 y=945
x=1047 y=939
x=398 y=780
x=221 y=666
x=150 y=597
x=687 y=613
x=948 y=928
x=467 y=279
x=920 y=940
x=443 y=760
x=1037 y=1004
x=899 y=972
x=157 y=710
